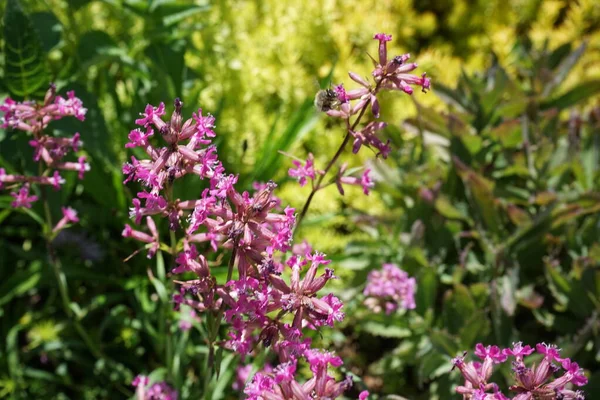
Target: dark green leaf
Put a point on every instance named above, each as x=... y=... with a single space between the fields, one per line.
x=26 y=73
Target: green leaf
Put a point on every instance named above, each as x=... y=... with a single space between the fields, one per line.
x=175 y=13
x=385 y=330
x=459 y=306
x=49 y=29
x=476 y=328
x=20 y=282
x=558 y=285
x=300 y=123
x=427 y=290
x=482 y=194
x=432 y=366
x=26 y=74
x=579 y=93
x=563 y=69
x=445 y=343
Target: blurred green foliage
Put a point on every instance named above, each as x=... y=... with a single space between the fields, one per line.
x=491 y=199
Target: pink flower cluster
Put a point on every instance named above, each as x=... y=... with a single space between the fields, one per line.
x=156 y=391
x=260 y=305
x=388 y=75
x=50 y=151
x=281 y=384
x=544 y=381
x=389 y=289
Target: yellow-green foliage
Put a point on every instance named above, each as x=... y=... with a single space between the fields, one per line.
x=259 y=60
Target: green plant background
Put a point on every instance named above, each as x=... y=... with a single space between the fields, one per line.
x=490 y=198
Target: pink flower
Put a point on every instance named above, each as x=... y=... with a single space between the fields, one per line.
x=303 y=171
x=529 y=382
x=47 y=150
x=22 y=197
x=367 y=136
x=389 y=289
x=69 y=216
x=383 y=39
x=156 y=391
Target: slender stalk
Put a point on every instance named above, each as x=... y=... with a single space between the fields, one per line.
x=330 y=164
x=61 y=279
x=166 y=307
x=214 y=331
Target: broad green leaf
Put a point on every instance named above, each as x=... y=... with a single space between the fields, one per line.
x=445 y=343
x=444 y=207
x=26 y=74
x=459 y=306
x=475 y=329
x=175 y=13
x=427 y=290
x=48 y=27
x=482 y=193
x=433 y=365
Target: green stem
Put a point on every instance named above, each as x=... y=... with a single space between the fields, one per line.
x=214 y=331
x=330 y=164
x=61 y=278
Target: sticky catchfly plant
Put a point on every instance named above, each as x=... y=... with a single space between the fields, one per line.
x=351 y=105
x=553 y=378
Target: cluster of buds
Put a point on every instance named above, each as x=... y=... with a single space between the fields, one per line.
x=390 y=289
x=156 y=391
x=49 y=151
x=260 y=305
x=544 y=381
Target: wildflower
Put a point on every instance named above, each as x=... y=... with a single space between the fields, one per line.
x=303 y=171
x=49 y=151
x=390 y=288
x=153 y=241
x=156 y=391
x=529 y=382
x=282 y=384
x=22 y=197
x=259 y=305
x=363 y=181
x=367 y=136
x=69 y=216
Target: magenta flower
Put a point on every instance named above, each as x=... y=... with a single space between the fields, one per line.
x=153 y=241
x=535 y=382
x=383 y=39
x=69 y=216
x=22 y=197
x=259 y=305
x=49 y=151
x=518 y=350
x=282 y=384
x=303 y=171
x=368 y=136
x=363 y=181
x=29 y=116
x=389 y=289
x=156 y=391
